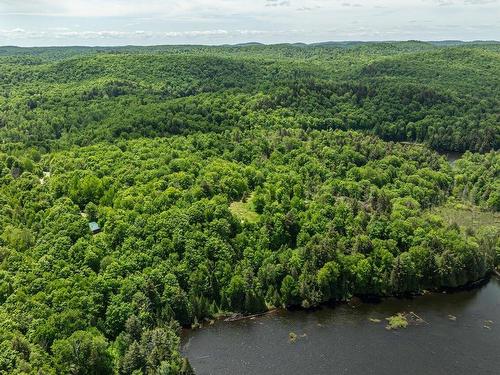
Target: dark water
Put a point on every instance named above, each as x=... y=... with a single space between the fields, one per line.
x=342 y=340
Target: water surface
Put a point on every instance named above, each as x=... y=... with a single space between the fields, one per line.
x=342 y=340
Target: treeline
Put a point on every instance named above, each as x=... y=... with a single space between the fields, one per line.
x=477 y=179
x=328 y=215
x=285 y=50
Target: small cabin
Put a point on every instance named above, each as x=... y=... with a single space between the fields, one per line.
x=94 y=227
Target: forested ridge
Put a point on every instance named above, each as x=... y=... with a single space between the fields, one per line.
x=231 y=179
x=444 y=97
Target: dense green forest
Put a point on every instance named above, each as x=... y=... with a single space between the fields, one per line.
x=231 y=179
x=444 y=97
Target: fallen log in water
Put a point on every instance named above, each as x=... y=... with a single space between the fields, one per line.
x=237 y=317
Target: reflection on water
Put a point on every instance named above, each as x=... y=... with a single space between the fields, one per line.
x=343 y=340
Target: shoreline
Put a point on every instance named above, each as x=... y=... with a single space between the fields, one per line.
x=354 y=301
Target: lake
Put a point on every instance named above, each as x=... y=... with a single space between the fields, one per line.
x=460 y=335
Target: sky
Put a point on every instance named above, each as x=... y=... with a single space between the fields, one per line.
x=150 y=22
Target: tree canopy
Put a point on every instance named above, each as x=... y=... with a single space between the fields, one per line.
x=230 y=179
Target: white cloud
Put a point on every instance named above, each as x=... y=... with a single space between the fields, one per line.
x=112 y=34
x=234 y=21
x=197 y=8
x=462 y=2
x=127 y=8
x=278 y=3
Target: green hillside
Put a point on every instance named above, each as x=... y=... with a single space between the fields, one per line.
x=445 y=97
x=232 y=179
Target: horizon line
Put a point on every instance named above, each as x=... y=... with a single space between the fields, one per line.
x=260 y=43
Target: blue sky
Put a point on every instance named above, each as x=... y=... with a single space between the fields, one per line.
x=147 y=22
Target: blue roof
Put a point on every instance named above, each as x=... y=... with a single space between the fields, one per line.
x=94 y=226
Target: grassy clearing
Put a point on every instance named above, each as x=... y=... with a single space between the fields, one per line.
x=467 y=216
x=243 y=210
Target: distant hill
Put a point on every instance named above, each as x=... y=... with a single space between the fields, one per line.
x=445 y=95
